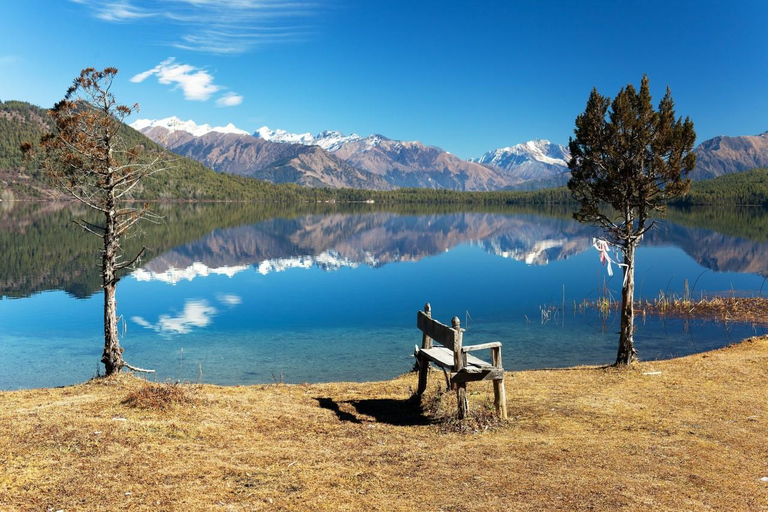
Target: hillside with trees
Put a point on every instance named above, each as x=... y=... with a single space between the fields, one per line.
x=185 y=180
x=743 y=188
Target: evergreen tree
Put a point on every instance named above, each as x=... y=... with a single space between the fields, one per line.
x=632 y=159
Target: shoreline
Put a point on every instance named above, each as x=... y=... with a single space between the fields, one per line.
x=575 y=368
x=686 y=433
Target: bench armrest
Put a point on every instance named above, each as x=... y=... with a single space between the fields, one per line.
x=469 y=348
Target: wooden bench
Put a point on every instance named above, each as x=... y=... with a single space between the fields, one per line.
x=460 y=366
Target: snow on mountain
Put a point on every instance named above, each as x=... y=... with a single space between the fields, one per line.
x=533 y=164
x=327 y=261
x=539 y=150
x=173 y=124
x=283 y=136
x=174 y=275
x=329 y=140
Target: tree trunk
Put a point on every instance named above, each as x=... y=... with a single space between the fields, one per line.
x=113 y=353
x=627 y=352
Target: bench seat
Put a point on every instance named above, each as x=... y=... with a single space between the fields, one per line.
x=443 y=356
x=476 y=368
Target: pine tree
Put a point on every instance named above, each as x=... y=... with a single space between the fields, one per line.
x=627 y=161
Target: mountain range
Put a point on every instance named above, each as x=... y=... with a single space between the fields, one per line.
x=327 y=161
x=245 y=155
x=334 y=160
x=185 y=178
x=726 y=155
x=536 y=164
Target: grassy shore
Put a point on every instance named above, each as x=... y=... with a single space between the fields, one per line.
x=682 y=434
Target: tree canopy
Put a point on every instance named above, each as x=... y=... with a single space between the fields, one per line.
x=628 y=156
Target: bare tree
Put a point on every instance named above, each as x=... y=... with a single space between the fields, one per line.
x=86 y=156
x=631 y=159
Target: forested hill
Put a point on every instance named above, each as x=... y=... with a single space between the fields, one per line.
x=741 y=188
x=19 y=122
x=185 y=180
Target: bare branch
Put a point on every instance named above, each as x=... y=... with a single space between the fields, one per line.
x=134 y=260
x=136 y=368
x=84 y=226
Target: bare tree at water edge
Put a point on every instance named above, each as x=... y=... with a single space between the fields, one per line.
x=627 y=161
x=85 y=155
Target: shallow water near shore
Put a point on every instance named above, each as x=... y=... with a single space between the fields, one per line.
x=234 y=294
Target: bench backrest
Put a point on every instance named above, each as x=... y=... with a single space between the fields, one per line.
x=449 y=337
x=440 y=333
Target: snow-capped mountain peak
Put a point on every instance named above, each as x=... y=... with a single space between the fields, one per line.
x=329 y=140
x=283 y=136
x=173 y=124
x=332 y=140
x=539 y=150
x=535 y=160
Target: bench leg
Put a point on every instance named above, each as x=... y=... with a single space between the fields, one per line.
x=500 y=398
x=461 y=395
x=423 y=370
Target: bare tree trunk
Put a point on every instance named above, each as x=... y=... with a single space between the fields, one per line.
x=113 y=353
x=627 y=352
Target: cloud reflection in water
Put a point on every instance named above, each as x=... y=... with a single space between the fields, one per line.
x=196 y=314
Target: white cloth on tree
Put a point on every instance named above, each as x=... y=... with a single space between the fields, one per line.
x=604 y=247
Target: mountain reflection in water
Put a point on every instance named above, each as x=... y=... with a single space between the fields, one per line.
x=43 y=250
x=334 y=241
x=244 y=291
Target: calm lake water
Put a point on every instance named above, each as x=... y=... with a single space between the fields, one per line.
x=241 y=294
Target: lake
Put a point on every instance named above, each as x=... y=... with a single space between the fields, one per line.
x=242 y=293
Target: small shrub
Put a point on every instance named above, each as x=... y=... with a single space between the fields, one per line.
x=159 y=396
x=443 y=408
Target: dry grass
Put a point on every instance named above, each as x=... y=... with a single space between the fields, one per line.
x=160 y=396
x=683 y=434
x=727 y=309
x=751 y=310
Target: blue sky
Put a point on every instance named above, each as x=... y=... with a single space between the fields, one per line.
x=467 y=76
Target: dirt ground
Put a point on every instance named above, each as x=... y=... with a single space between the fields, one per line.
x=682 y=434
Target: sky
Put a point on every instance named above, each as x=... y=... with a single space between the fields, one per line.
x=466 y=76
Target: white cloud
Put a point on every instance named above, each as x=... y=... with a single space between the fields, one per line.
x=215 y=26
x=229 y=100
x=144 y=75
x=196 y=314
x=196 y=83
x=120 y=11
